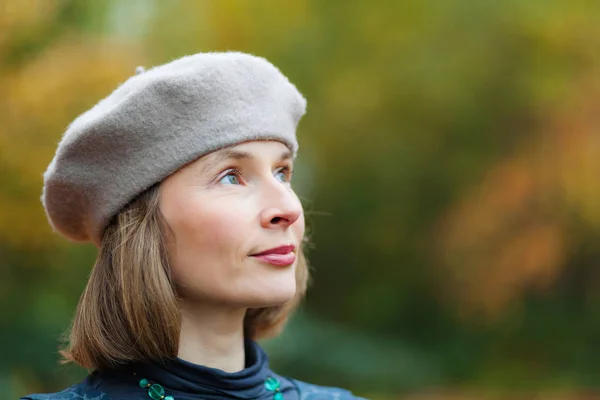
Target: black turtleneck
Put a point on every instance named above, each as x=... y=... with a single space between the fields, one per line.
x=183 y=380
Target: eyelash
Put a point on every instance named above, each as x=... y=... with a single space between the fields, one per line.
x=287 y=170
x=236 y=170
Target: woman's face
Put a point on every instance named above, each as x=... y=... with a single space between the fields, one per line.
x=223 y=210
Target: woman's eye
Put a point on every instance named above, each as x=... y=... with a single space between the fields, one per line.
x=284 y=174
x=230 y=179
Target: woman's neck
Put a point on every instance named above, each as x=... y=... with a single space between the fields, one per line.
x=212 y=336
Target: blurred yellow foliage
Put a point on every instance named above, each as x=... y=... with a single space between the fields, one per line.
x=24 y=18
x=41 y=97
x=510 y=232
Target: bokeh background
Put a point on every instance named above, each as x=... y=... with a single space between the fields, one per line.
x=449 y=166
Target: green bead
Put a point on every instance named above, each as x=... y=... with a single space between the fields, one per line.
x=156 y=392
x=144 y=383
x=169 y=398
x=272 y=383
x=278 y=396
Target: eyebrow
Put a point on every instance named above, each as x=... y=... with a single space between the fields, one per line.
x=229 y=154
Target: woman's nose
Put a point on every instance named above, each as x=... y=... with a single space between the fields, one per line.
x=283 y=208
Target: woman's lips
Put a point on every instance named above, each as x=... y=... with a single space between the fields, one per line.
x=280 y=256
x=277 y=259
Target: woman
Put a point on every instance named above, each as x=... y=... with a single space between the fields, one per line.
x=181 y=177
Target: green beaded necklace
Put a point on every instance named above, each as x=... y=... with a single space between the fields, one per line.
x=272 y=384
x=157 y=392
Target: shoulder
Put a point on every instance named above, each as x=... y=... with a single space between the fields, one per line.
x=308 y=391
x=75 y=392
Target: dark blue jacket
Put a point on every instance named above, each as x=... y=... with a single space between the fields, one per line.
x=182 y=380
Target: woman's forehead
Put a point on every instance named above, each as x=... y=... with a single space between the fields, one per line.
x=269 y=151
x=258 y=146
x=254 y=151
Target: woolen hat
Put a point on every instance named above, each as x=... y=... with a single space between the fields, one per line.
x=155 y=123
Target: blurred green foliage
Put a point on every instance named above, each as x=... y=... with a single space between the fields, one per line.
x=448 y=166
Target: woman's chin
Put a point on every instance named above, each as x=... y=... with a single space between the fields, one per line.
x=272 y=297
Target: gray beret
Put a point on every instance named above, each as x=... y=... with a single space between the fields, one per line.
x=158 y=121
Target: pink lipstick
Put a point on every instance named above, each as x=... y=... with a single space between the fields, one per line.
x=280 y=256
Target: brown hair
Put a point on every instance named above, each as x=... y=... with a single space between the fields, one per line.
x=128 y=311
